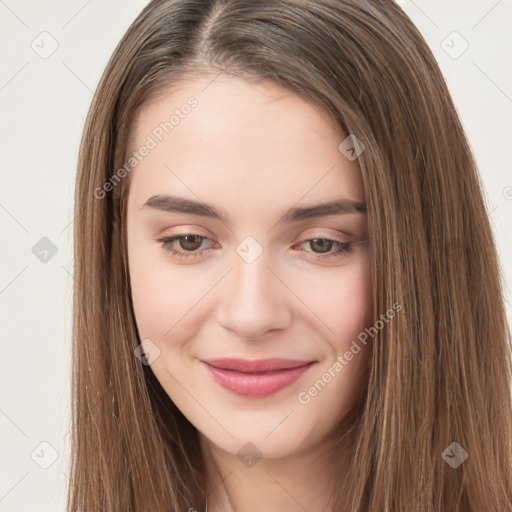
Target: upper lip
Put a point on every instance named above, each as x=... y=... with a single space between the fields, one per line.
x=259 y=365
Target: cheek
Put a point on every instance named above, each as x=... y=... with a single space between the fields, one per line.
x=152 y=296
x=158 y=300
x=341 y=299
x=344 y=306
x=352 y=304
x=166 y=297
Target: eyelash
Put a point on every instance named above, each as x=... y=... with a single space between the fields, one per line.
x=166 y=244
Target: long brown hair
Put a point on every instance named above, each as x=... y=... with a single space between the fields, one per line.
x=440 y=373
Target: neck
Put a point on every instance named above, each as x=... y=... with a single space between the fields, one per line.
x=298 y=482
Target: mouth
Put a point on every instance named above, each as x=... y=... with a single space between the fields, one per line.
x=257 y=378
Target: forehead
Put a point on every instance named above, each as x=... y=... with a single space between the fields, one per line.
x=246 y=145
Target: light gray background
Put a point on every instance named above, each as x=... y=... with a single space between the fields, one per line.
x=44 y=102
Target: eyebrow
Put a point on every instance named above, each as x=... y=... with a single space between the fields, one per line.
x=174 y=204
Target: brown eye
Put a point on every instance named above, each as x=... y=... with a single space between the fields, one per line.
x=321 y=245
x=190 y=242
x=183 y=246
x=325 y=247
x=189 y=245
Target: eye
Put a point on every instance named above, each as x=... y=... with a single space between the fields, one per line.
x=325 y=245
x=191 y=244
x=188 y=246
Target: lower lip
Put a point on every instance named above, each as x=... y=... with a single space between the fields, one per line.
x=256 y=385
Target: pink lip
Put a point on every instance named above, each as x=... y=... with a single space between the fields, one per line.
x=258 y=378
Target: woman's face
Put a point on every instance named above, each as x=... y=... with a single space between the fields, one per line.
x=261 y=279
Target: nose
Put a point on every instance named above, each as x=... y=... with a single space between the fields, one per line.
x=254 y=299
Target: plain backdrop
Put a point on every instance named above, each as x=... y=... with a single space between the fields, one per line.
x=53 y=54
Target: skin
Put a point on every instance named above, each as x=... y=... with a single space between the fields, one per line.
x=253 y=151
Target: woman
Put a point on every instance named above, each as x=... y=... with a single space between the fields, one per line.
x=288 y=294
